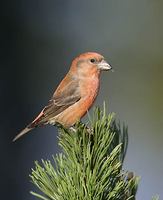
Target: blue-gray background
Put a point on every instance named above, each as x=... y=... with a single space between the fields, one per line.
x=38 y=41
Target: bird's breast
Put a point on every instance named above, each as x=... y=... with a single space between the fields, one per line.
x=89 y=90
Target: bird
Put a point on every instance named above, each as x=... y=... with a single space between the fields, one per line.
x=74 y=95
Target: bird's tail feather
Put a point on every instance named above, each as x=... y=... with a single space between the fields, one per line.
x=23 y=132
x=35 y=123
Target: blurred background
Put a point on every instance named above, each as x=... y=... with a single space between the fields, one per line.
x=40 y=38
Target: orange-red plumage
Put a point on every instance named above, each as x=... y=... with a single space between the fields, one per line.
x=74 y=95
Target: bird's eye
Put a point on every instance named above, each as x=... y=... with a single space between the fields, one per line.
x=92 y=60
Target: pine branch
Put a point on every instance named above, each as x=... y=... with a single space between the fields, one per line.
x=90 y=167
x=155 y=197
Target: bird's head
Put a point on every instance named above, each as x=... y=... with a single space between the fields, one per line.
x=90 y=63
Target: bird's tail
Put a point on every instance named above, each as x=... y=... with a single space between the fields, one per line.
x=23 y=132
x=35 y=123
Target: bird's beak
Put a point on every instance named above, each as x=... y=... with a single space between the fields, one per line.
x=103 y=65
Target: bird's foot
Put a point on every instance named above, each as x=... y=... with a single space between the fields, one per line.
x=72 y=129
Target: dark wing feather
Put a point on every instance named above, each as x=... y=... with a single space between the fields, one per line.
x=59 y=102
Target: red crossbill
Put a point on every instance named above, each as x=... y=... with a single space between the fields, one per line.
x=75 y=94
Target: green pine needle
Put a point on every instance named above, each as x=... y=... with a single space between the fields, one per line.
x=90 y=167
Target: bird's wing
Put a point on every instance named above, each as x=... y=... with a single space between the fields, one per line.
x=69 y=95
